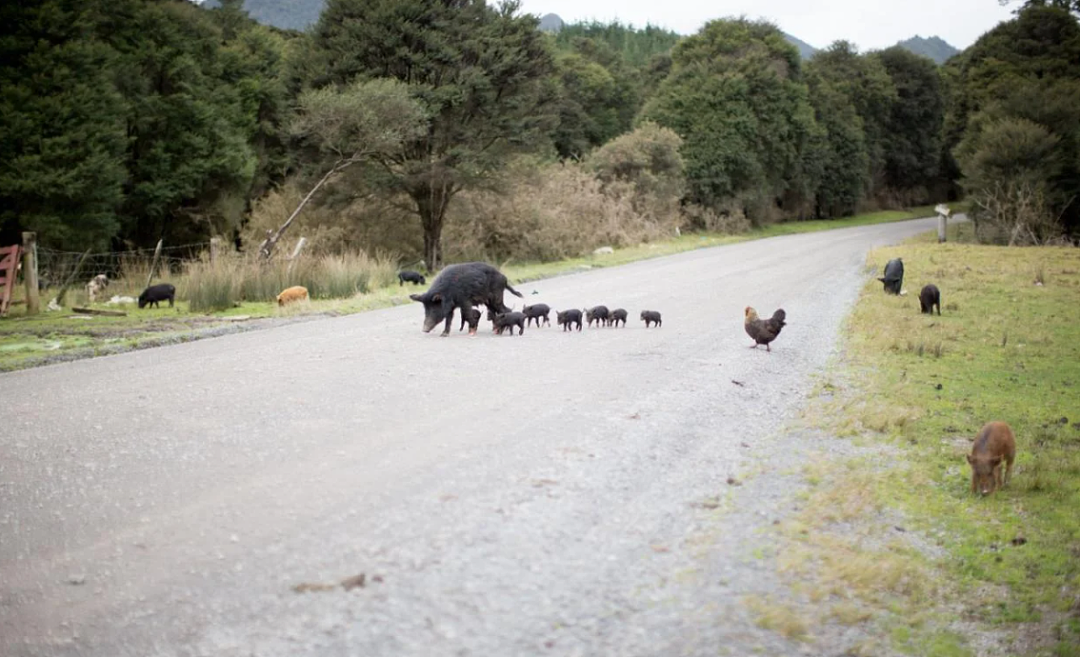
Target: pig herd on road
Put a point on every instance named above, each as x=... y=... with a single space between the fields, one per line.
x=464 y=286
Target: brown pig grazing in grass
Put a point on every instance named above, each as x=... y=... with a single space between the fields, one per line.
x=994 y=444
x=291 y=294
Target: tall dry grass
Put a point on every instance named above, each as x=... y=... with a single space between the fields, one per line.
x=228 y=280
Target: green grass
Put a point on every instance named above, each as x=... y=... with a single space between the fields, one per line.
x=1003 y=349
x=29 y=341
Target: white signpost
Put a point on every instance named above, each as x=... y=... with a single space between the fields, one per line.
x=942 y=221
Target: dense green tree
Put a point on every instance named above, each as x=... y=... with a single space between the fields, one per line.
x=736 y=96
x=635 y=46
x=599 y=96
x=863 y=80
x=1067 y=5
x=254 y=63
x=1023 y=70
x=913 y=130
x=839 y=150
x=190 y=162
x=62 y=128
x=480 y=72
x=131 y=120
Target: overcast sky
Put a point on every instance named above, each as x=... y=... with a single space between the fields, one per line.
x=870 y=25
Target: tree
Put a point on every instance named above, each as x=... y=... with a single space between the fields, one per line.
x=1023 y=69
x=189 y=159
x=648 y=161
x=840 y=151
x=62 y=135
x=600 y=95
x=634 y=46
x=736 y=97
x=1066 y=5
x=587 y=106
x=1008 y=164
x=864 y=82
x=345 y=127
x=913 y=131
x=481 y=73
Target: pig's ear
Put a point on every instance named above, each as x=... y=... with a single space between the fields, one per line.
x=418 y=297
x=970 y=460
x=436 y=298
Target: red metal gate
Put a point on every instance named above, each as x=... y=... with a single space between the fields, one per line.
x=9 y=261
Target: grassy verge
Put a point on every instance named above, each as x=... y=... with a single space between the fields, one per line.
x=924 y=560
x=29 y=341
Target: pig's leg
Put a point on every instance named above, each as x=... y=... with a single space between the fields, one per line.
x=449 y=321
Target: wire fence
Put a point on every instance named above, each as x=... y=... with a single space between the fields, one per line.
x=55 y=266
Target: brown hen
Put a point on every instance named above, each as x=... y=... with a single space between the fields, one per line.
x=764 y=331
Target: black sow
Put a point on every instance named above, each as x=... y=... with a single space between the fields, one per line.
x=462 y=286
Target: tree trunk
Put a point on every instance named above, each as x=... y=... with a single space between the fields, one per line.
x=432 y=253
x=431 y=202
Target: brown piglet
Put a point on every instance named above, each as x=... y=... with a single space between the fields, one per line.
x=994 y=444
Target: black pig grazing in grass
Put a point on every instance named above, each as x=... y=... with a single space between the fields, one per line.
x=155 y=293
x=598 y=314
x=414 y=277
x=618 y=315
x=928 y=298
x=568 y=318
x=894 y=276
x=650 y=316
x=505 y=321
x=462 y=286
x=470 y=317
x=538 y=312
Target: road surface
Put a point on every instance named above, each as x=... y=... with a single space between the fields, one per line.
x=555 y=493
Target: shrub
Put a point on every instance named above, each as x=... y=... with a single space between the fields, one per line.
x=546 y=213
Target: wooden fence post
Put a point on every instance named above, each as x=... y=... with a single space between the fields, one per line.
x=30 y=273
x=215 y=246
x=153 y=265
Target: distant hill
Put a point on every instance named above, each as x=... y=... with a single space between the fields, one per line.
x=551 y=23
x=806 y=51
x=935 y=48
x=285 y=14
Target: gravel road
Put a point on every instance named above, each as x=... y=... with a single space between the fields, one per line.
x=555 y=493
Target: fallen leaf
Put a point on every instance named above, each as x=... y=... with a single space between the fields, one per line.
x=305 y=587
x=355 y=582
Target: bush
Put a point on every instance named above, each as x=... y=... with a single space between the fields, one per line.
x=549 y=212
x=1008 y=164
